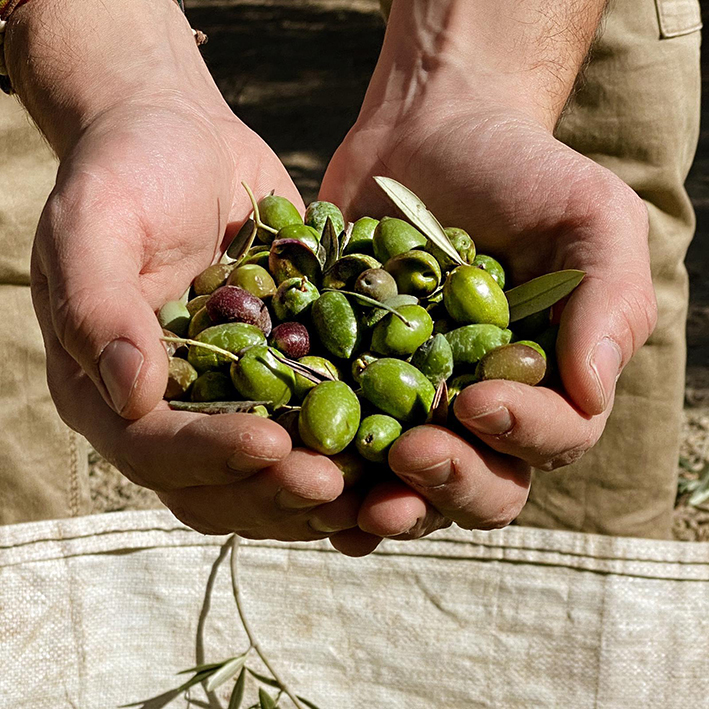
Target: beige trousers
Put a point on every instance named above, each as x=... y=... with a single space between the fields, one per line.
x=637 y=113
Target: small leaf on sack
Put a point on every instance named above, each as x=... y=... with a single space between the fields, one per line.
x=345 y=238
x=237 y=694
x=438 y=415
x=330 y=244
x=307 y=703
x=701 y=492
x=540 y=293
x=419 y=215
x=243 y=241
x=265 y=699
x=202 y=668
x=312 y=375
x=262 y=678
x=216 y=407
x=197 y=679
x=225 y=673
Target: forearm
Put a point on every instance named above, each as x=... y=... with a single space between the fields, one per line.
x=524 y=55
x=70 y=61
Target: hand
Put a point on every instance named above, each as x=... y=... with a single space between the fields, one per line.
x=539 y=206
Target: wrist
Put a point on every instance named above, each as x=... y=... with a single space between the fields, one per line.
x=69 y=65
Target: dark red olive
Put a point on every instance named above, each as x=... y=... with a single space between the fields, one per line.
x=291 y=338
x=234 y=304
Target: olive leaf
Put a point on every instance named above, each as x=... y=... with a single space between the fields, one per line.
x=237 y=694
x=262 y=678
x=202 y=668
x=225 y=673
x=419 y=215
x=540 y=293
x=330 y=245
x=216 y=407
x=243 y=241
x=265 y=699
x=438 y=415
x=371 y=301
x=307 y=703
x=309 y=373
x=257 y=213
x=345 y=238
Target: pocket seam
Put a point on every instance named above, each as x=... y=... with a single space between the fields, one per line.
x=675 y=24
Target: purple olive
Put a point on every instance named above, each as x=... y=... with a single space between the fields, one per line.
x=291 y=338
x=234 y=304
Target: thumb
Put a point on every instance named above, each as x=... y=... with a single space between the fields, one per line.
x=91 y=270
x=607 y=319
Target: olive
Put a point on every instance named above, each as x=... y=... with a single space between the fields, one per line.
x=256 y=258
x=471 y=343
x=174 y=349
x=211 y=278
x=319 y=364
x=395 y=236
x=353 y=467
x=461 y=242
x=493 y=267
x=293 y=298
x=471 y=295
x=329 y=417
x=361 y=363
x=175 y=317
x=345 y=271
x=394 y=337
x=233 y=337
x=200 y=321
x=289 y=420
x=415 y=272
x=337 y=324
x=291 y=258
x=259 y=376
x=254 y=279
x=291 y=338
x=397 y=388
x=197 y=303
x=276 y=212
x=261 y=411
x=300 y=232
x=180 y=376
x=376 y=283
x=234 y=304
x=213 y=386
x=534 y=345
x=434 y=359
x=457 y=384
x=361 y=239
x=373 y=316
x=375 y=436
x=317 y=213
x=516 y=362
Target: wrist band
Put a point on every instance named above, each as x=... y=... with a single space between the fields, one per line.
x=7 y=7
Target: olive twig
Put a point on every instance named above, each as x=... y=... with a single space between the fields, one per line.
x=247 y=628
x=371 y=301
x=206 y=346
x=257 y=213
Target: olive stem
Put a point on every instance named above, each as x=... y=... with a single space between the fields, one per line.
x=235 y=544
x=206 y=346
x=257 y=213
x=372 y=301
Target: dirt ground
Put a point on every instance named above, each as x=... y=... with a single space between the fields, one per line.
x=296 y=72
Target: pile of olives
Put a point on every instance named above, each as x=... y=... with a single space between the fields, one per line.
x=346 y=334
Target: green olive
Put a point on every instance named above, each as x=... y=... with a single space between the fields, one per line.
x=213 y=386
x=180 y=377
x=397 y=388
x=317 y=213
x=309 y=236
x=293 y=298
x=211 y=278
x=493 y=267
x=175 y=317
x=415 y=272
x=434 y=359
x=254 y=279
x=371 y=317
x=233 y=337
x=259 y=376
x=319 y=364
x=345 y=272
x=336 y=324
x=375 y=436
x=197 y=303
x=276 y=212
x=361 y=240
x=395 y=236
x=516 y=362
x=361 y=363
x=457 y=384
x=329 y=417
x=461 y=242
x=200 y=321
x=256 y=258
x=376 y=283
x=471 y=343
x=471 y=295
x=534 y=345
x=393 y=337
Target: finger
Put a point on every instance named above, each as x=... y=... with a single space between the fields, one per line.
x=475 y=488
x=613 y=312
x=337 y=515
x=535 y=424
x=355 y=542
x=97 y=309
x=393 y=509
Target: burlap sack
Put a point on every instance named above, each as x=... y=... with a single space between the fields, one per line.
x=101 y=611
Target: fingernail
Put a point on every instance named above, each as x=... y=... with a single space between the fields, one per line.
x=429 y=477
x=288 y=501
x=492 y=423
x=605 y=364
x=408 y=530
x=119 y=366
x=323 y=528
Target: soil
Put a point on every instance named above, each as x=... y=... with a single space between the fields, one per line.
x=296 y=72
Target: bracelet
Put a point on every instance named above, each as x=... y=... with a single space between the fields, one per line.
x=7 y=7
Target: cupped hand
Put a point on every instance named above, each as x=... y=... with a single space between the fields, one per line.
x=143 y=202
x=538 y=206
